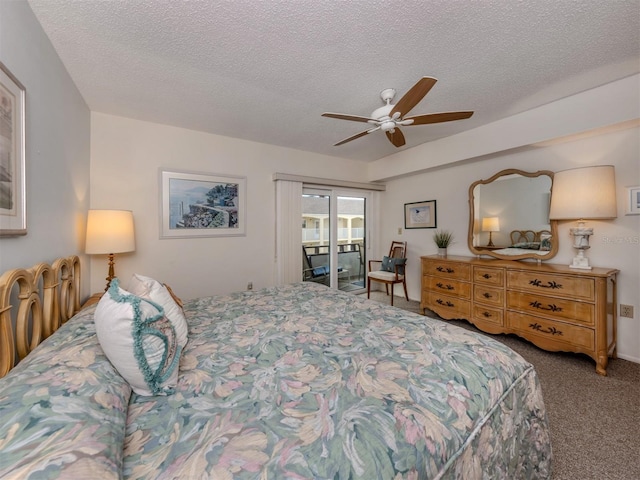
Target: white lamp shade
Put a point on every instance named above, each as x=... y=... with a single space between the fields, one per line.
x=584 y=193
x=490 y=224
x=110 y=231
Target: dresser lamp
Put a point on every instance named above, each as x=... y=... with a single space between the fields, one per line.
x=490 y=224
x=110 y=232
x=587 y=193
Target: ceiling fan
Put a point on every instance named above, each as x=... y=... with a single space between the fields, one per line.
x=391 y=116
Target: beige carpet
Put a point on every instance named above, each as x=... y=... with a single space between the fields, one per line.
x=594 y=420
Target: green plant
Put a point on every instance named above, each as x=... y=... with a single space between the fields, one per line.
x=443 y=238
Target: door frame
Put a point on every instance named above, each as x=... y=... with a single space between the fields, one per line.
x=333 y=193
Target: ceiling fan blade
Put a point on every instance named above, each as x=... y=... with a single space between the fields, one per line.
x=344 y=116
x=353 y=137
x=438 y=117
x=414 y=95
x=397 y=138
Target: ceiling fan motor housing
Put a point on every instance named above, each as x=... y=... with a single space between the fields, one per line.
x=382 y=113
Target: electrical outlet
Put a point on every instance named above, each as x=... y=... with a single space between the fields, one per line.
x=626 y=311
x=250 y=286
x=399 y=230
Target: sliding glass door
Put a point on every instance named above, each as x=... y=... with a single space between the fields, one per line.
x=334 y=237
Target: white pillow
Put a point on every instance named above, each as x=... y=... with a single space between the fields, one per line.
x=153 y=290
x=139 y=340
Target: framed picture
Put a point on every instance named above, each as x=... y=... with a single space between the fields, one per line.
x=420 y=214
x=633 y=201
x=201 y=205
x=13 y=197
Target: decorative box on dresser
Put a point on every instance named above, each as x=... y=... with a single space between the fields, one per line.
x=553 y=306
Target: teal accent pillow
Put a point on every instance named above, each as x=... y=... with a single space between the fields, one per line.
x=139 y=340
x=545 y=243
x=389 y=264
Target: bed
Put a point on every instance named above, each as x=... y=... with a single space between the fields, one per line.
x=527 y=242
x=296 y=381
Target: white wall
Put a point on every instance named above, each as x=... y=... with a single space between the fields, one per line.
x=126 y=156
x=615 y=244
x=57 y=150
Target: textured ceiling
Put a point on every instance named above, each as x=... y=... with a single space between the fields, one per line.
x=266 y=70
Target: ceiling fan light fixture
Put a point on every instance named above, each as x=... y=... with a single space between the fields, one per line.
x=388 y=126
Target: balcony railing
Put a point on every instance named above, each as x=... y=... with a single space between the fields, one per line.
x=314 y=234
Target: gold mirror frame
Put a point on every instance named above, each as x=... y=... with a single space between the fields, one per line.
x=553 y=224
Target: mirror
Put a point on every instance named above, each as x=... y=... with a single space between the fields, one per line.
x=509 y=216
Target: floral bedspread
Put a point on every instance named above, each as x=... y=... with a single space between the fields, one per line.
x=292 y=382
x=63 y=409
x=301 y=381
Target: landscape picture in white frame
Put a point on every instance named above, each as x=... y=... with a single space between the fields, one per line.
x=13 y=197
x=633 y=201
x=196 y=205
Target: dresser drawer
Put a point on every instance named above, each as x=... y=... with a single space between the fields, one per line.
x=489 y=276
x=488 y=314
x=552 y=307
x=556 y=333
x=488 y=295
x=446 y=306
x=448 y=286
x=446 y=269
x=550 y=284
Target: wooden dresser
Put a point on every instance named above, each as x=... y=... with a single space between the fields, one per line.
x=553 y=306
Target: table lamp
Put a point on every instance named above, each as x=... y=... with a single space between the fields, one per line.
x=490 y=224
x=110 y=232
x=581 y=194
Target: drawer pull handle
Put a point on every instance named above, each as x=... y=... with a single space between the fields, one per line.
x=552 y=285
x=445 y=287
x=487 y=276
x=551 y=330
x=448 y=269
x=551 y=307
x=446 y=304
x=486 y=314
x=487 y=295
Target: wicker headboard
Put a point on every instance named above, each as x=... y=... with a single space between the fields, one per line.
x=45 y=297
x=527 y=236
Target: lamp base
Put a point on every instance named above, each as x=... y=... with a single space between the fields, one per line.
x=490 y=244
x=112 y=274
x=580 y=261
x=581 y=236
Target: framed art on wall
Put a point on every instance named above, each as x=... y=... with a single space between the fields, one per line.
x=201 y=205
x=420 y=214
x=13 y=197
x=633 y=201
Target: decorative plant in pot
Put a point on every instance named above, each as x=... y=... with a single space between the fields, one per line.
x=443 y=238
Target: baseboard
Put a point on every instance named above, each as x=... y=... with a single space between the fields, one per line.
x=629 y=358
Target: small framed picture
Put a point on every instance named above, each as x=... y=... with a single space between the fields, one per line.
x=420 y=214
x=201 y=205
x=633 y=201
